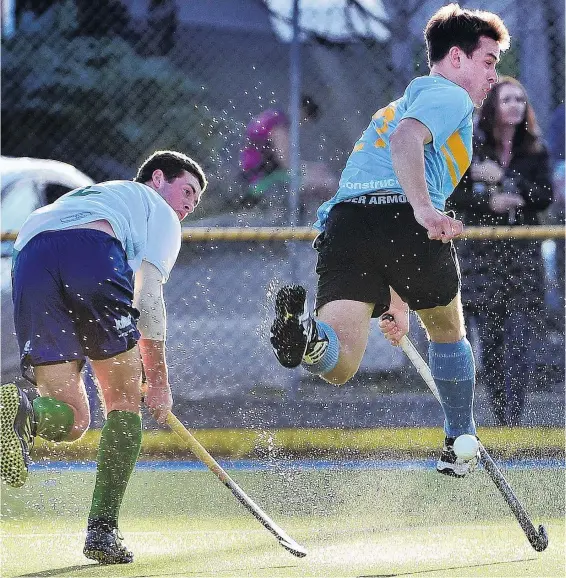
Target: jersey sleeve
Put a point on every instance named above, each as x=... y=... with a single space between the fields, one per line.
x=442 y=109
x=163 y=239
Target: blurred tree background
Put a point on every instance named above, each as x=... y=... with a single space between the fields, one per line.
x=91 y=100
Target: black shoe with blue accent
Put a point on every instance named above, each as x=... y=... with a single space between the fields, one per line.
x=450 y=465
x=293 y=328
x=17 y=431
x=104 y=544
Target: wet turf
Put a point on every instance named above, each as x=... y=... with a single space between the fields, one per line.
x=353 y=523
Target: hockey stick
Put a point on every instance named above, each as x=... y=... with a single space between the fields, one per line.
x=282 y=537
x=538 y=539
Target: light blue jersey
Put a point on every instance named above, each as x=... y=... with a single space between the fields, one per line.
x=446 y=110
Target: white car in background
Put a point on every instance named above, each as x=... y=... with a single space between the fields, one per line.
x=25 y=184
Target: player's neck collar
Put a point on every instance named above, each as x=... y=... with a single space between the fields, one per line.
x=436 y=73
x=439 y=74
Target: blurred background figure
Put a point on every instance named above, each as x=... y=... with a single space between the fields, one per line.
x=556 y=137
x=265 y=164
x=508 y=183
x=556 y=148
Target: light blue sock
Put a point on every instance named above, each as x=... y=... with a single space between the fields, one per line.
x=452 y=366
x=329 y=359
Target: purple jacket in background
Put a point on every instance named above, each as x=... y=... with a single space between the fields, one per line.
x=258 y=159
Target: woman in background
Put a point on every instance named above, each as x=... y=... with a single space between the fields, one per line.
x=508 y=183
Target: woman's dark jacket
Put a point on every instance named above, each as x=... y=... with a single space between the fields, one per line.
x=498 y=273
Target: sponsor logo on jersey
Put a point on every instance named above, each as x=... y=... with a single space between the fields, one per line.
x=75 y=217
x=381 y=199
x=373 y=185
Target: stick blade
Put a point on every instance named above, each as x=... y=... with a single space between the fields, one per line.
x=292 y=546
x=541 y=541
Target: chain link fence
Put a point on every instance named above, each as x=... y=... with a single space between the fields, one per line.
x=101 y=85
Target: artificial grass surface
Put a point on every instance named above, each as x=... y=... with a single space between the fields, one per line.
x=352 y=522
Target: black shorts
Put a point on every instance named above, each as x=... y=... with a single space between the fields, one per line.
x=365 y=249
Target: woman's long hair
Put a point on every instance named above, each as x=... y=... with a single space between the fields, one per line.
x=527 y=137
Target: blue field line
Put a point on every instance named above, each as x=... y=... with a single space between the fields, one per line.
x=297 y=465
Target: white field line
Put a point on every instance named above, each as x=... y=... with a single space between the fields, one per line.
x=5 y=534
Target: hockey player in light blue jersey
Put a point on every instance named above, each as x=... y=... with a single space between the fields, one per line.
x=385 y=244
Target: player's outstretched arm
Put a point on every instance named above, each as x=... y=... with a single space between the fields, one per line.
x=148 y=299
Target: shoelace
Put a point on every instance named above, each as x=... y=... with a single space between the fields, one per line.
x=119 y=539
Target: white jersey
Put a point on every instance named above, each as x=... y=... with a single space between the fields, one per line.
x=143 y=222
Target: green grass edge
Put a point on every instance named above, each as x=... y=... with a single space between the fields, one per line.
x=281 y=443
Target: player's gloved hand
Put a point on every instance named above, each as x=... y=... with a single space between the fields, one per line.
x=439 y=226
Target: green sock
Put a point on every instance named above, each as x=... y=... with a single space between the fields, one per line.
x=54 y=418
x=120 y=444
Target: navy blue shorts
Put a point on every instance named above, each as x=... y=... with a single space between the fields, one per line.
x=72 y=292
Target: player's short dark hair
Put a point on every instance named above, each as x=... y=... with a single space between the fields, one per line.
x=172 y=163
x=455 y=26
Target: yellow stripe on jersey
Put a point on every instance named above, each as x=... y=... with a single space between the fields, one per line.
x=450 y=164
x=359 y=146
x=458 y=149
x=388 y=114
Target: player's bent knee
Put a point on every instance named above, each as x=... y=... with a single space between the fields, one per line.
x=80 y=426
x=340 y=374
x=443 y=328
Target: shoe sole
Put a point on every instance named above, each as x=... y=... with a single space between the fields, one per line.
x=449 y=472
x=289 y=307
x=13 y=469
x=104 y=558
x=448 y=469
x=290 y=301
